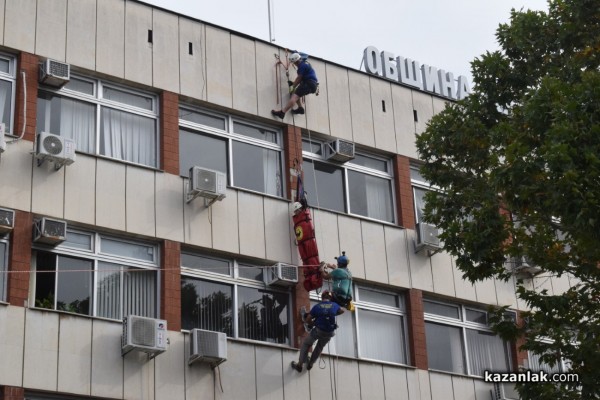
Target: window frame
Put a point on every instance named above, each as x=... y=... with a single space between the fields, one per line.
x=10 y=77
x=4 y=271
x=350 y=166
x=96 y=256
x=230 y=136
x=236 y=281
x=464 y=325
x=100 y=103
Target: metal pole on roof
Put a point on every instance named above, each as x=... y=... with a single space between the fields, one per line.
x=271 y=38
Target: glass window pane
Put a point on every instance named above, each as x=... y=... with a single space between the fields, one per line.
x=486 y=352
x=370 y=162
x=370 y=196
x=3 y=280
x=256 y=168
x=535 y=364
x=127 y=249
x=74 y=285
x=263 y=315
x=381 y=336
x=329 y=191
x=200 y=150
x=343 y=343
x=4 y=65
x=373 y=296
x=250 y=272
x=139 y=292
x=444 y=310
x=415 y=175
x=78 y=240
x=419 y=195
x=132 y=99
x=45 y=265
x=69 y=118
x=81 y=86
x=205 y=264
x=5 y=104
x=206 y=305
x=444 y=348
x=202 y=119
x=476 y=316
x=311 y=147
x=108 y=291
x=255 y=132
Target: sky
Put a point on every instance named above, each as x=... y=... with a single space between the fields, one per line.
x=447 y=34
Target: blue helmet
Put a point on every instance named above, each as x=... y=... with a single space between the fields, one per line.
x=343 y=260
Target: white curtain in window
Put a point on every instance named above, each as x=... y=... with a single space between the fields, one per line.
x=272 y=181
x=108 y=291
x=2 y=271
x=5 y=99
x=419 y=202
x=379 y=198
x=129 y=137
x=486 y=352
x=381 y=336
x=78 y=122
x=139 y=292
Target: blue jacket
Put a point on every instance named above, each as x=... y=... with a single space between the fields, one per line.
x=324 y=314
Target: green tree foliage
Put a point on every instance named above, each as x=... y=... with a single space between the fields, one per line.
x=518 y=165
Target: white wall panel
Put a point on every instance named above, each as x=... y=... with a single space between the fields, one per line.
x=238 y=374
x=138 y=51
x=170 y=369
x=265 y=80
x=269 y=379
x=2 y=4
x=464 y=289
x=486 y=291
x=396 y=385
x=522 y=305
x=316 y=107
x=81 y=33
x=41 y=350
x=110 y=37
x=80 y=190
x=218 y=66
x=541 y=282
x=51 y=29
x=338 y=99
x=140 y=201
x=360 y=104
x=48 y=189
x=397 y=259
x=351 y=242
x=346 y=380
x=295 y=385
x=374 y=252
x=424 y=384
x=423 y=104
x=326 y=231
x=371 y=381
x=225 y=223
x=251 y=224
x=110 y=194
x=404 y=121
x=75 y=355
x=15 y=176
x=443 y=274
x=165 y=54
x=441 y=386
x=560 y=285
x=107 y=365
x=383 y=121
x=12 y=331
x=320 y=380
x=463 y=388
x=197 y=221
x=19 y=20
x=192 y=67
x=420 y=265
x=505 y=292
x=482 y=389
x=278 y=230
x=169 y=206
x=243 y=64
x=138 y=376
x=198 y=377
x=438 y=104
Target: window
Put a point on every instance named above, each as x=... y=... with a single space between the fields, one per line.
x=102 y=118
x=98 y=275
x=248 y=153
x=376 y=330
x=420 y=188
x=3 y=267
x=230 y=296
x=362 y=186
x=460 y=340
x=7 y=91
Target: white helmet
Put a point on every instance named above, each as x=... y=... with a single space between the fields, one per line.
x=294 y=57
x=296 y=207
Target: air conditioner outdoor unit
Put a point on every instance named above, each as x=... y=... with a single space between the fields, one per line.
x=500 y=392
x=54 y=73
x=208 y=346
x=282 y=274
x=49 y=231
x=427 y=237
x=2 y=140
x=7 y=220
x=524 y=266
x=145 y=334
x=339 y=150
x=206 y=183
x=55 y=148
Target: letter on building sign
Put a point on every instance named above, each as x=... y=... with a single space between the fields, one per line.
x=447 y=84
x=409 y=72
x=430 y=79
x=463 y=87
x=389 y=68
x=371 y=59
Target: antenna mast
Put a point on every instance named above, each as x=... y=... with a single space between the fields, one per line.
x=271 y=38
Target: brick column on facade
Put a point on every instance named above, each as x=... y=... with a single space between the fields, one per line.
x=520 y=358
x=12 y=393
x=170 y=295
x=19 y=263
x=29 y=64
x=416 y=329
x=404 y=193
x=169 y=132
